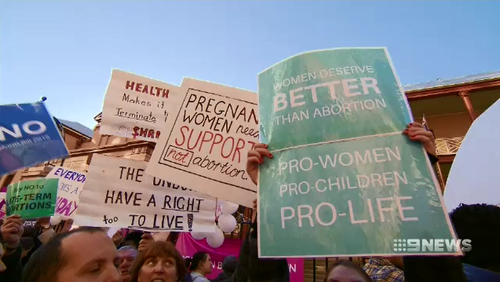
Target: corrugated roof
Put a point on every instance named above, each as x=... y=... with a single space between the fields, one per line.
x=453 y=82
x=78 y=127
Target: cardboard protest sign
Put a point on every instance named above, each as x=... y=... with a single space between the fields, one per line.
x=70 y=186
x=32 y=198
x=136 y=106
x=344 y=180
x=117 y=193
x=207 y=147
x=28 y=136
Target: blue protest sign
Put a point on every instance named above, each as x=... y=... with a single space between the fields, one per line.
x=28 y=136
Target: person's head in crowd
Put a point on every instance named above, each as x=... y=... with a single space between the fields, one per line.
x=160 y=260
x=133 y=239
x=187 y=262
x=28 y=239
x=479 y=223
x=229 y=264
x=346 y=271
x=127 y=255
x=80 y=255
x=201 y=263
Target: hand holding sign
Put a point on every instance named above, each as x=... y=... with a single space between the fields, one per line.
x=117 y=237
x=416 y=132
x=256 y=157
x=146 y=240
x=12 y=230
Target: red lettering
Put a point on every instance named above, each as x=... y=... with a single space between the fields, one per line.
x=145 y=132
x=251 y=143
x=136 y=131
x=177 y=156
x=224 y=146
x=130 y=85
x=183 y=128
x=205 y=139
x=138 y=87
x=227 y=147
x=147 y=89
x=239 y=145
x=216 y=142
x=151 y=133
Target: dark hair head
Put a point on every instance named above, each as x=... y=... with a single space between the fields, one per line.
x=197 y=259
x=47 y=261
x=29 y=232
x=229 y=264
x=163 y=250
x=479 y=223
x=187 y=262
x=351 y=265
x=133 y=237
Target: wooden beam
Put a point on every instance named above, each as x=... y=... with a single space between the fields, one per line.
x=446 y=159
x=468 y=105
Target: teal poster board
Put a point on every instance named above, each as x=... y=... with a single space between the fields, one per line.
x=33 y=198
x=344 y=181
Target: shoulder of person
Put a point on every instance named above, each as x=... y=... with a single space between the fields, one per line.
x=199 y=279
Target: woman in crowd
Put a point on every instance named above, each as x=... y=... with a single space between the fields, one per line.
x=159 y=260
x=201 y=265
x=346 y=271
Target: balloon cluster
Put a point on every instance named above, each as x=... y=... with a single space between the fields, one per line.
x=55 y=220
x=227 y=223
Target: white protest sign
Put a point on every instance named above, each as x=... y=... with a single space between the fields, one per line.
x=119 y=194
x=136 y=106
x=112 y=231
x=212 y=132
x=70 y=186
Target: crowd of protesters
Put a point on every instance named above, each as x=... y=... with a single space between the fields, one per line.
x=88 y=254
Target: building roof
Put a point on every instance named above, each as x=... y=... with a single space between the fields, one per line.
x=438 y=83
x=78 y=127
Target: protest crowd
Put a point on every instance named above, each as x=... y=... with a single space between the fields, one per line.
x=149 y=202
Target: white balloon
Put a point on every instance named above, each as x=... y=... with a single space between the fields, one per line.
x=216 y=239
x=229 y=208
x=55 y=220
x=227 y=223
x=198 y=235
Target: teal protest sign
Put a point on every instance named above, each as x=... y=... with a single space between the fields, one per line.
x=328 y=95
x=33 y=198
x=348 y=184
